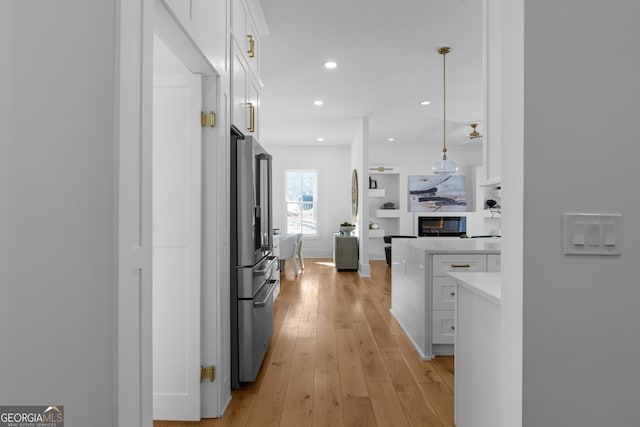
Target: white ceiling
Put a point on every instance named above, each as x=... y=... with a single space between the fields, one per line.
x=387 y=62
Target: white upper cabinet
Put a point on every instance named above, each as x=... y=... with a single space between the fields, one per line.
x=252 y=42
x=206 y=22
x=253 y=103
x=246 y=31
x=245 y=95
x=239 y=19
x=239 y=79
x=247 y=25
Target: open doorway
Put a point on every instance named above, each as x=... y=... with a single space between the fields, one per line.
x=176 y=228
x=187 y=186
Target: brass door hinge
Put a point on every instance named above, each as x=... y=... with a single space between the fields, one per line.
x=208 y=119
x=208 y=372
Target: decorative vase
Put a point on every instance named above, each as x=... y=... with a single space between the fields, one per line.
x=346 y=230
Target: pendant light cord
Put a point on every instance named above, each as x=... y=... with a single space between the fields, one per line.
x=443 y=51
x=444 y=101
x=444 y=166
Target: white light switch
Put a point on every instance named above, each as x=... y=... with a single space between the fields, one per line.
x=579 y=230
x=609 y=234
x=592 y=234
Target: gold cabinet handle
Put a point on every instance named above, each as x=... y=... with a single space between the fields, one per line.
x=252 y=117
x=460 y=266
x=252 y=46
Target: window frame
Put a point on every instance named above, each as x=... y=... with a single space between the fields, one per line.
x=315 y=203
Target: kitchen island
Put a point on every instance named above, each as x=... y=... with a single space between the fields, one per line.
x=477 y=349
x=423 y=295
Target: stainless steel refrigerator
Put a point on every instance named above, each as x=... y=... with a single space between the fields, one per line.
x=254 y=275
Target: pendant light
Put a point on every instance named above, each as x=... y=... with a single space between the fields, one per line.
x=444 y=166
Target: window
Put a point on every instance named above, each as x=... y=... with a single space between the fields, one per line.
x=302 y=202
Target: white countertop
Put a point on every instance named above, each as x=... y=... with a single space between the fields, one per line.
x=486 y=285
x=453 y=244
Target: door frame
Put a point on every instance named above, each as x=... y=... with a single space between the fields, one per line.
x=136 y=23
x=132 y=384
x=214 y=172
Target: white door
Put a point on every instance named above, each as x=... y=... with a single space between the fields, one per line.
x=177 y=159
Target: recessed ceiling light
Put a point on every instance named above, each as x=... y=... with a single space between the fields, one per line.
x=318 y=102
x=330 y=65
x=425 y=102
x=391 y=139
x=320 y=139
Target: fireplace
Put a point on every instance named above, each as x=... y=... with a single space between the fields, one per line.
x=442 y=226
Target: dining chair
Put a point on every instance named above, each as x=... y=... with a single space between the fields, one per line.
x=299 y=240
x=288 y=246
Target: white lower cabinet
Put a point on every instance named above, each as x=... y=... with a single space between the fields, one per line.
x=459 y=263
x=443 y=305
x=423 y=295
x=443 y=327
x=443 y=295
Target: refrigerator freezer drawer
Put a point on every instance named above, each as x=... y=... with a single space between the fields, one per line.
x=255 y=328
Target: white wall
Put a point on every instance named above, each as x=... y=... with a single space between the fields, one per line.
x=334 y=190
x=58 y=228
x=412 y=159
x=581 y=317
x=335 y=165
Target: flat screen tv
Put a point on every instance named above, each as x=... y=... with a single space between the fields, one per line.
x=437 y=193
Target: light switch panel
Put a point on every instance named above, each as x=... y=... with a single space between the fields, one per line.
x=592 y=234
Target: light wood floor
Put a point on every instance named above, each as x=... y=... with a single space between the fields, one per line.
x=338 y=358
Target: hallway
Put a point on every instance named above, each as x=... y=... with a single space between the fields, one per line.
x=338 y=358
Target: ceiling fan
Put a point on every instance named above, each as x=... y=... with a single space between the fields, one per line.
x=474 y=136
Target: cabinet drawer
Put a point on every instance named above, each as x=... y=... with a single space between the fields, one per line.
x=443 y=264
x=443 y=330
x=493 y=263
x=444 y=294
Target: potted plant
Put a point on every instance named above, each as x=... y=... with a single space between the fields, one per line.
x=346 y=228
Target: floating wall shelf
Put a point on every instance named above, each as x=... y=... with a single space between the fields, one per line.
x=388 y=213
x=376 y=233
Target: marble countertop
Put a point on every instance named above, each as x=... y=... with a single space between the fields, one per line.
x=453 y=244
x=486 y=285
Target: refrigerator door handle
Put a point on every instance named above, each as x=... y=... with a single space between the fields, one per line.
x=269 y=294
x=268 y=265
